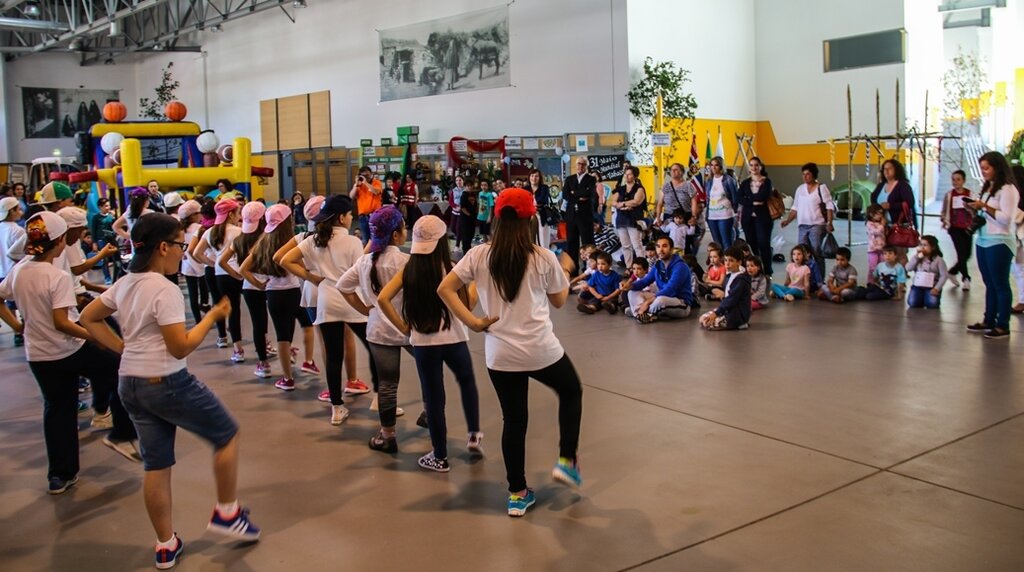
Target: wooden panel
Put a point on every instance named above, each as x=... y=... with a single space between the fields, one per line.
x=272 y=190
x=338 y=153
x=320 y=119
x=396 y=152
x=268 y=125
x=293 y=122
x=339 y=179
x=612 y=140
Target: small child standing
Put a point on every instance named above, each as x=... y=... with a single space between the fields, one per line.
x=798 y=276
x=930 y=275
x=602 y=288
x=733 y=313
x=486 y=213
x=841 y=284
x=677 y=228
x=890 y=279
x=758 y=283
x=876 y=238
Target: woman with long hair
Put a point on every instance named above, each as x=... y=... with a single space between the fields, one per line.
x=191 y=269
x=755 y=218
x=546 y=211
x=209 y=250
x=630 y=205
x=298 y=211
x=436 y=339
x=996 y=242
x=228 y=260
x=322 y=259
x=722 y=199
x=138 y=205
x=518 y=282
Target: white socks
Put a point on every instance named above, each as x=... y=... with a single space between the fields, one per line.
x=228 y=510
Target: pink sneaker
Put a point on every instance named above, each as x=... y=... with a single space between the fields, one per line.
x=238 y=356
x=285 y=384
x=356 y=387
x=310 y=367
x=295 y=352
x=324 y=396
x=262 y=369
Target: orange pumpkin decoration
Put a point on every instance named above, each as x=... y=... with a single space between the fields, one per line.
x=175 y=111
x=114 y=112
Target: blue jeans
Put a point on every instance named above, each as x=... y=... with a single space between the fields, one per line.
x=811 y=235
x=994 y=263
x=722 y=231
x=921 y=297
x=364 y=228
x=783 y=291
x=430 y=362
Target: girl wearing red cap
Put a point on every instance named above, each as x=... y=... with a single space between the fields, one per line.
x=517 y=282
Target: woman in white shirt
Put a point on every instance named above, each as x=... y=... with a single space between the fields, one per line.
x=996 y=242
x=209 y=250
x=322 y=259
x=59 y=350
x=723 y=200
x=517 y=283
x=813 y=210
x=157 y=388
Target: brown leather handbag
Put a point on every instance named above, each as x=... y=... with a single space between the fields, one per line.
x=776 y=206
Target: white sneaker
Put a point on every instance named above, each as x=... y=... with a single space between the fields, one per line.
x=222 y=342
x=339 y=413
x=954 y=281
x=475 y=445
x=102 y=421
x=966 y=285
x=374 y=406
x=262 y=369
x=127 y=449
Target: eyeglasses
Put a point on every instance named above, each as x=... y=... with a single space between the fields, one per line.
x=182 y=245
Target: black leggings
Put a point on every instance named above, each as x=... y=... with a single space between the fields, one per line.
x=962 y=240
x=467 y=229
x=232 y=288
x=334 y=346
x=256 y=301
x=758 y=232
x=512 y=388
x=284 y=310
x=215 y=293
x=194 y=296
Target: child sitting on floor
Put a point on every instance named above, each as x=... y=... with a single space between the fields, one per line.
x=841 y=285
x=714 y=278
x=758 y=283
x=743 y=246
x=798 y=276
x=602 y=288
x=890 y=279
x=733 y=313
x=696 y=271
x=930 y=274
x=876 y=238
x=650 y=253
x=579 y=283
x=638 y=271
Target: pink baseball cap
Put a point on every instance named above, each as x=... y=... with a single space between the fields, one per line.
x=426 y=232
x=275 y=215
x=223 y=209
x=312 y=207
x=251 y=215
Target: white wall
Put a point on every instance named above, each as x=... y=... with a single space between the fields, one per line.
x=925 y=62
x=803 y=103
x=713 y=40
x=4 y=158
x=60 y=71
x=566 y=72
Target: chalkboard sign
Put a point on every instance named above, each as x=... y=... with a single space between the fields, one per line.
x=520 y=167
x=609 y=166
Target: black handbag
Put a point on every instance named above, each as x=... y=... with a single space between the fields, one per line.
x=829 y=246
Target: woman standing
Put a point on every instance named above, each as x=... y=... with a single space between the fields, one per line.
x=138 y=205
x=997 y=242
x=546 y=212
x=191 y=269
x=408 y=201
x=813 y=210
x=517 y=283
x=298 y=209
x=956 y=219
x=19 y=193
x=722 y=191
x=630 y=204
x=895 y=195
x=208 y=251
x=755 y=218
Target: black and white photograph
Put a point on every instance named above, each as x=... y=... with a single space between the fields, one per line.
x=80 y=109
x=40 y=105
x=465 y=52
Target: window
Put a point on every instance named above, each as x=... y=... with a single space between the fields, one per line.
x=877 y=49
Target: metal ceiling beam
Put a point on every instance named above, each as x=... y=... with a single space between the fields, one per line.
x=46 y=26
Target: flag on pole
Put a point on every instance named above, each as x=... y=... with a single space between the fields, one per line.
x=707 y=150
x=694 y=157
x=720 y=149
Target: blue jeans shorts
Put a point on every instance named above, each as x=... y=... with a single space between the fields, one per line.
x=159 y=405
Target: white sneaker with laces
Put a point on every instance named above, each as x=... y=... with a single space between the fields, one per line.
x=339 y=413
x=954 y=280
x=127 y=449
x=475 y=445
x=966 y=285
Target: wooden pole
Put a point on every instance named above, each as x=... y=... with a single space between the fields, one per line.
x=924 y=163
x=878 y=126
x=849 y=168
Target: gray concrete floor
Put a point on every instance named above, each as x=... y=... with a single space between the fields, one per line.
x=826 y=437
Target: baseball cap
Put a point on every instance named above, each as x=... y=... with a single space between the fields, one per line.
x=383 y=223
x=312 y=206
x=276 y=215
x=173 y=199
x=426 y=232
x=333 y=206
x=41 y=228
x=252 y=213
x=138 y=193
x=520 y=200
x=187 y=209
x=223 y=209
x=147 y=234
x=7 y=204
x=54 y=191
x=73 y=216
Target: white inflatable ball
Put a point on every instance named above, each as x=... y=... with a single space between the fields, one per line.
x=111 y=142
x=207 y=142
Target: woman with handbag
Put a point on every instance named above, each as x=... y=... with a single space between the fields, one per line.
x=813 y=210
x=547 y=214
x=755 y=217
x=630 y=204
x=996 y=242
x=895 y=195
x=678 y=193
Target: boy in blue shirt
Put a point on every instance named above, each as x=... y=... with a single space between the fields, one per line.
x=890 y=279
x=486 y=213
x=602 y=288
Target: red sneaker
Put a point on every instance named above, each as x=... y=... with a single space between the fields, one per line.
x=356 y=387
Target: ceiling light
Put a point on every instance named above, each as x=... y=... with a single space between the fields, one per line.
x=75 y=45
x=298 y=3
x=32 y=9
x=216 y=28
x=115 y=29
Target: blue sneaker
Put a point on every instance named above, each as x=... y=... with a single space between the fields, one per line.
x=517 y=505
x=567 y=472
x=168 y=557
x=59 y=486
x=238 y=526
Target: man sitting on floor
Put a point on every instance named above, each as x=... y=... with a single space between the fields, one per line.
x=674 y=297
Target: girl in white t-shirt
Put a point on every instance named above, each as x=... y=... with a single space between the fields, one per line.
x=10 y=233
x=437 y=338
x=59 y=350
x=209 y=250
x=517 y=283
x=138 y=199
x=191 y=268
x=360 y=286
x=322 y=259
x=255 y=297
x=156 y=386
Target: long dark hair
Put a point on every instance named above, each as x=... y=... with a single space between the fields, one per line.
x=244 y=242
x=511 y=251
x=375 y=284
x=136 y=206
x=900 y=171
x=422 y=308
x=1003 y=175
x=324 y=231
x=934 y=244
x=263 y=252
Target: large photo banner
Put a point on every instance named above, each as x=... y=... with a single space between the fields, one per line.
x=459 y=53
x=51 y=113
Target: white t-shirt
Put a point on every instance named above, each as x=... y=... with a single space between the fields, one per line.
x=129 y=223
x=145 y=301
x=190 y=266
x=308 y=298
x=39 y=288
x=806 y=204
x=230 y=233
x=286 y=282
x=73 y=256
x=457 y=332
x=379 y=329
x=341 y=253
x=522 y=339
x=10 y=232
x=719 y=205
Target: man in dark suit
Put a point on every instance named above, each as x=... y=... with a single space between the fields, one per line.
x=580 y=194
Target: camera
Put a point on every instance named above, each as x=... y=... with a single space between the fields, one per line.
x=361 y=179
